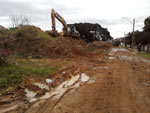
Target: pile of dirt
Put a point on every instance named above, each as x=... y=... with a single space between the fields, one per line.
x=68 y=47
x=31 y=41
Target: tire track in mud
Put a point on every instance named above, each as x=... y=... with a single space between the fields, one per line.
x=117 y=95
x=140 y=93
x=129 y=98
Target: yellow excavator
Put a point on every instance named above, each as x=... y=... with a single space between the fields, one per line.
x=67 y=30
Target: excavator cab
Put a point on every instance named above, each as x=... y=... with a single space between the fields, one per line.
x=71 y=29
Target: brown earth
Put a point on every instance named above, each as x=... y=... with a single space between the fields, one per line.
x=50 y=47
x=122 y=85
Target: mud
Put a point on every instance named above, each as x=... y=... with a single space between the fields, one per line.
x=115 y=81
x=56 y=93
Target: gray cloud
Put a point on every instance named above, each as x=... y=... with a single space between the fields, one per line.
x=39 y=13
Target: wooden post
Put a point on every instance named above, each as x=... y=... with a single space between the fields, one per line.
x=133 y=33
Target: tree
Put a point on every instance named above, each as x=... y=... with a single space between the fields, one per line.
x=146 y=33
x=91 y=32
x=18 y=20
x=138 y=37
x=147 y=24
x=128 y=38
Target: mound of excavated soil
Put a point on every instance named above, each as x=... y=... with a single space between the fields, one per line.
x=31 y=41
x=62 y=46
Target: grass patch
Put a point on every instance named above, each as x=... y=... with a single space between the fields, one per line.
x=146 y=55
x=27 y=31
x=12 y=74
x=126 y=47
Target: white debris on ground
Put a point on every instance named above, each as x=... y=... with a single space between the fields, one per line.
x=111 y=58
x=60 y=90
x=145 y=84
x=105 y=67
x=30 y=95
x=56 y=93
x=92 y=80
x=84 y=77
x=74 y=82
x=49 y=81
x=42 y=86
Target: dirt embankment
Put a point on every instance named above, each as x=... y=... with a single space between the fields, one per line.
x=31 y=41
x=61 y=47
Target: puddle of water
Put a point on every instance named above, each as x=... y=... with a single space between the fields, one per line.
x=134 y=58
x=145 y=60
x=105 y=67
x=74 y=82
x=46 y=96
x=84 y=77
x=30 y=95
x=113 y=50
x=146 y=84
x=111 y=58
x=62 y=88
x=42 y=86
x=125 y=57
x=91 y=80
x=56 y=93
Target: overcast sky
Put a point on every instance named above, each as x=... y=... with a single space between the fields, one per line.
x=116 y=15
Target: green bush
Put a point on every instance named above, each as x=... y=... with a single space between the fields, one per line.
x=116 y=43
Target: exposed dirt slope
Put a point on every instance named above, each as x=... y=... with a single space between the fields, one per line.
x=31 y=41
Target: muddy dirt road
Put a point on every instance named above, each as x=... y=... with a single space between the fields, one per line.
x=119 y=82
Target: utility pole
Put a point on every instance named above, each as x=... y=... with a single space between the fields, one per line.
x=124 y=39
x=133 y=33
x=133 y=23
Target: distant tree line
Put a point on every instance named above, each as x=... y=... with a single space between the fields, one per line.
x=92 y=32
x=141 y=37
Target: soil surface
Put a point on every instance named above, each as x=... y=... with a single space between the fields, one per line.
x=119 y=82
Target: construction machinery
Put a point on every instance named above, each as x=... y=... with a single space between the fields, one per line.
x=67 y=30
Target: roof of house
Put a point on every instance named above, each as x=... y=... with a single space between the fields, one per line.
x=2 y=28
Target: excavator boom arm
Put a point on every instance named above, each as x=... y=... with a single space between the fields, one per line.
x=61 y=19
